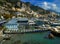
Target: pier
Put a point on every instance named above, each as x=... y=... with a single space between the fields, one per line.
x=42 y=29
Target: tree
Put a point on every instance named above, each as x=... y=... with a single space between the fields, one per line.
x=7 y=16
x=28 y=3
x=12 y=1
x=2 y=0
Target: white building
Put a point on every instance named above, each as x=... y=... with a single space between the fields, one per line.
x=12 y=25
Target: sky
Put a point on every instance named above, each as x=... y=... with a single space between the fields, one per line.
x=46 y=4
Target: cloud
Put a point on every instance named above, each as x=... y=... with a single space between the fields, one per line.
x=54 y=5
x=47 y=5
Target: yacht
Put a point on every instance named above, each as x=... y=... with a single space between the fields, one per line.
x=30 y=22
x=55 y=23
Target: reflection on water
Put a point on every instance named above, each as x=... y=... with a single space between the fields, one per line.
x=33 y=38
x=30 y=38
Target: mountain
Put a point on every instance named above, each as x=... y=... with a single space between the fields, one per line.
x=54 y=11
x=7 y=6
x=38 y=9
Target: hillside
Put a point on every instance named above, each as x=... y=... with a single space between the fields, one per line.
x=38 y=9
x=11 y=7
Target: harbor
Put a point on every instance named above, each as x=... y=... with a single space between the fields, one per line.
x=29 y=22
x=25 y=26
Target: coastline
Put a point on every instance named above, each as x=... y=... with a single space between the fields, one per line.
x=38 y=31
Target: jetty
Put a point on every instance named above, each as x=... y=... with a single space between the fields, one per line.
x=42 y=29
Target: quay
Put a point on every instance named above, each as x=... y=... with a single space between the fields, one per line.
x=26 y=31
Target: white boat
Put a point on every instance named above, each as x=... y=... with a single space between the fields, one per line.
x=30 y=22
x=55 y=23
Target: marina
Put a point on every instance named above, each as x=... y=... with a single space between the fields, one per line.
x=25 y=31
x=29 y=22
x=25 y=25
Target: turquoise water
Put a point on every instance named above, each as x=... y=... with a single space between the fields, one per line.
x=39 y=38
x=34 y=38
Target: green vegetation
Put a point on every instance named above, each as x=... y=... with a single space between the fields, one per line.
x=12 y=1
x=7 y=16
x=9 y=4
x=39 y=10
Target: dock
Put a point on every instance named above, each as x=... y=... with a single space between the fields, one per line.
x=26 y=31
